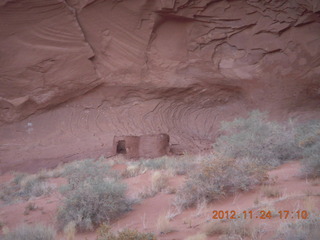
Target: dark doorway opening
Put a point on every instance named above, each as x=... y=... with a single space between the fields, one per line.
x=121 y=147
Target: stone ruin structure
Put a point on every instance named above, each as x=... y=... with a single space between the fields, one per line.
x=145 y=146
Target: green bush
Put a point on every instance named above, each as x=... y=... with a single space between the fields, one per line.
x=104 y=233
x=217 y=177
x=27 y=232
x=256 y=137
x=93 y=202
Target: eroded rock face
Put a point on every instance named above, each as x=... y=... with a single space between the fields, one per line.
x=173 y=66
x=44 y=57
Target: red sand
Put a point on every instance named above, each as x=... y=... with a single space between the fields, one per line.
x=144 y=215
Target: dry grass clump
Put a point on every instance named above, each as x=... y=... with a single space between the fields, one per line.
x=303 y=229
x=178 y=165
x=234 y=229
x=217 y=177
x=70 y=231
x=159 y=181
x=133 y=170
x=271 y=191
x=27 y=232
x=216 y=228
x=198 y=236
x=104 y=233
x=163 y=225
x=241 y=227
x=23 y=187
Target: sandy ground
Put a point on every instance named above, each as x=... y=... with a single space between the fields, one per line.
x=296 y=193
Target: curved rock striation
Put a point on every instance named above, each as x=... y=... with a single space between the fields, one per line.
x=44 y=57
x=136 y=67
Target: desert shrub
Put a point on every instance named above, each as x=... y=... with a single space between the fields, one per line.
x=70 y=231
x=308 y=138
x=18 y=176
x=33 y=186
x=8 y=192
x=308 y=133
x=311 y=161
x=182 y=165
x=93 y=201
x=217 y=177
x=258 y=138
x=27 y=232
x=159 y=181
x=179 y=165
x=104 y=233
x=24 y=187
x=303 y=229
x=271 y=191
x=133 y=169
x=79 y=171
x=163 y=225
x=156 y=163
x=241 y=227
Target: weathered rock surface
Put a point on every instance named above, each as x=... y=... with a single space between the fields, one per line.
x=44 y=57
x=171 y=66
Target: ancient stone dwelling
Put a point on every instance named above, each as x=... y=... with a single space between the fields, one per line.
x=145 y=146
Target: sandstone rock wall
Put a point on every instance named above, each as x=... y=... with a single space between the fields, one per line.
x=135 y=67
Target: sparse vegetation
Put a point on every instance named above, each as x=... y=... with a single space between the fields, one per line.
x=163 y=225
x=257 y=138
x=29 y=207
x=216 y=228
x=234 y=230
x=79 y=171
x=159 y=181
x=132 y=170
x=271 y=191
x=70 y=231
x=2 y=224
x=308 y=140
x=104 y=233
x=303 y=229
x=33 y=185
x=35 y=232
x=93 y=202
x=217 y=177
x=24 y=186
x=311 y=161
x=241 y=227
x=179 y=165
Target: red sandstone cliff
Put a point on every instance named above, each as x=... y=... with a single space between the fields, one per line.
x=75 y=73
